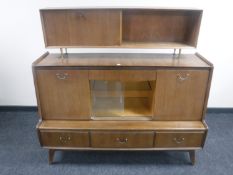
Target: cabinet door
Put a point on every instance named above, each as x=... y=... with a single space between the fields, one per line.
x=81 y=27
x=180 y=94
x=64 y=94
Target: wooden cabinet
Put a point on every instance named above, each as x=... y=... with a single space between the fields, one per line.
x=122 y=101
x=166 y=28
x=64 y=94
x=158 y=104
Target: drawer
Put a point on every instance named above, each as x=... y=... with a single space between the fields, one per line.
x=100 y=139
x=123 y=75
x=64 y=138
x=179 y=139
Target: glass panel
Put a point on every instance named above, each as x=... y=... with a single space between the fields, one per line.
x=122 y=100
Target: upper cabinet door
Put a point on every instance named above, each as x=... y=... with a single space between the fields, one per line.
x=180 y=94
x=81 y=27
x=63 y=94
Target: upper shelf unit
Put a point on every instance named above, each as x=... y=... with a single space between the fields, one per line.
x=121 y=28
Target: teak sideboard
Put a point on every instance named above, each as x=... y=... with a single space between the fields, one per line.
x=122 y=101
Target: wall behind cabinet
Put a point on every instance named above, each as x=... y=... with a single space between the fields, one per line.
x=21 y=42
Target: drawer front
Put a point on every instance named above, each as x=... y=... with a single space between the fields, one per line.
x=106 y=139
x=179 y=139
x=123 y=75
x=64 y=138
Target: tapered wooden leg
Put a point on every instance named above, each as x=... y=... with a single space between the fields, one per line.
x=51 y=155
x=192 y=156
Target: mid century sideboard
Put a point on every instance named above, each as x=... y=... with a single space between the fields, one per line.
x=122 y=101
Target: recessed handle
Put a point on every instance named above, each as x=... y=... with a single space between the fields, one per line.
x=122 y=140
x=62 y=76
x=178 y=140
x=81 y=15
x=182 y=78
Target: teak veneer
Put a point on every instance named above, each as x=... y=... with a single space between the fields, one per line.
x=126 y=28
x=122 y=101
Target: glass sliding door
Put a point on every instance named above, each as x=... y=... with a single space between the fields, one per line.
x=122 y=100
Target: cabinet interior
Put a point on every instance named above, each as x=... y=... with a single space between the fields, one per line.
x=122 y=100
x=161 y=27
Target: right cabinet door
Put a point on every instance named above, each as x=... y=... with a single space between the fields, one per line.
x=180 y=94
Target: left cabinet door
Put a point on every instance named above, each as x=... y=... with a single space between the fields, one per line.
x=63 y=94
x=64 y=28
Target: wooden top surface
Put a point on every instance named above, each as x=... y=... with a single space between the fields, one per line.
x=120 y=7
x=119 y=60
x=122 y=125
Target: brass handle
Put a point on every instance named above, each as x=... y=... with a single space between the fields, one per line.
x=122 y=140
x=64 y=139
x=62 y=76
x=182 y=78
x=178 y=140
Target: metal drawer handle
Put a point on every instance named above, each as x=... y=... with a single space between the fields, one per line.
x=62 y=76
x=182 y=78
x=122 y=140
x=64 y=139
x=178 y=140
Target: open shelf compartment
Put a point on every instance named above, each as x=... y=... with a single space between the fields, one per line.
x=121 y=100
x=161 y=28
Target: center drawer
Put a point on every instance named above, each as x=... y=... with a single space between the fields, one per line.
x=64 y=138
x=122 y=75
x=122 y=139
